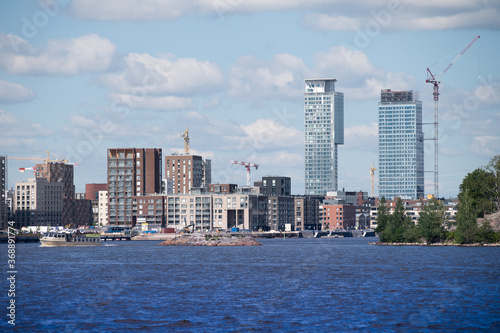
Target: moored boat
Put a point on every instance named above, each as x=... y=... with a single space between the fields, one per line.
x=70 y=238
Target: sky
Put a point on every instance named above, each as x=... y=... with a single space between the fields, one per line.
x=80 y=76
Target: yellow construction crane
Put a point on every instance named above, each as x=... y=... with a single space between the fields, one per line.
x=372 y=173
x=185 y=135
x=45 y=160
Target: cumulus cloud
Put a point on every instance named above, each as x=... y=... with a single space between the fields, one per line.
x=270 y=133
x=485 y=145
x=86 y=54
x=164 y=74
x=20 y=134
x=162 y=82
x=334 y=15
x=283 y=76
x=11 y=92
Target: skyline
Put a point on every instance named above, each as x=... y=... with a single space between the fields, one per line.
x=79 y=77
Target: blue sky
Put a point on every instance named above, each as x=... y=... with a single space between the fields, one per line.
x=78 y=77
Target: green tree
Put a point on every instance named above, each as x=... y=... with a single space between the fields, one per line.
x=479 y=184
x=432 y=221
x=494 y=169
x=467 y=229
x=400 y=228
x=382 y=219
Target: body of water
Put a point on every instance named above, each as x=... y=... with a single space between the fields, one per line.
x=292 y=285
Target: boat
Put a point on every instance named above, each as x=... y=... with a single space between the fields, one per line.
x=70 y=238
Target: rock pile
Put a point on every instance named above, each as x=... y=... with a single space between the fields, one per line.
x=211 y=240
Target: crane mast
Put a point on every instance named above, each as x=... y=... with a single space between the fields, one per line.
x=372 y=173
x=434 y=79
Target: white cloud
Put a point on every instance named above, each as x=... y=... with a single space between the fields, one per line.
x=11 y=92
x=281 y=77
x=161 y=83
x=272 y=134
x=165 y=103
x=86 y=54
x=19 y=134
x=485 y=145
x=334 y=15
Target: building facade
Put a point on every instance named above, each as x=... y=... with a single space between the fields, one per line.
x=187 y=171
x=38 y=202
x=307 y=215
x=338 y=216
x=401 y=145
x=103 y=208
x=131 y=172
x=58 y=172
x=324 y=131
x=276 y=185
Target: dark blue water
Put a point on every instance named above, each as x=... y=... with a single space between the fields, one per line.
x=292 y=285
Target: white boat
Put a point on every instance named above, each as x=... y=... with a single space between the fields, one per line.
x=70 y=238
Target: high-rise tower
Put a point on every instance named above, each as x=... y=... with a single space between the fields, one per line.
x=401 y=145
x=324 y=131
x=131 y=172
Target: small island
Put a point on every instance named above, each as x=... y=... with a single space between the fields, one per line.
x=211 y=240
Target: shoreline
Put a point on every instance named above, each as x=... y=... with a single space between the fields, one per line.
x=437 y=244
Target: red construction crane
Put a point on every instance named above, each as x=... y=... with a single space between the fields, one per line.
x=434 y=79
x=247 y=165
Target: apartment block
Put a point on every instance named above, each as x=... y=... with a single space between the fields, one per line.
x=281 y=212
x=103 y=208
x=38 y=202
x=276 y=185
x=131 y=172
x=187 y=171
x=338 y=216
x=307 y=215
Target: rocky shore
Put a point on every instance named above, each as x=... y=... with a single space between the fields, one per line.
x=211 y=240
x=437 y=244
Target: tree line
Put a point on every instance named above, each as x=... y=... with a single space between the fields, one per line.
x=479 y=195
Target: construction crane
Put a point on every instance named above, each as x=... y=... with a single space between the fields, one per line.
x=247 y=165
x=185 y=135
x=45 y=160
x=434 y=79
x=372 y=173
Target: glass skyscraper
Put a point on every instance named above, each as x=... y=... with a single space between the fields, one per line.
x=324 y=131
x=400 y=145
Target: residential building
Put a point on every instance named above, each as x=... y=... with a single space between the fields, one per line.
x=103 y=208
x=92 y=194
x=222 y=188
x=59 y=172
x=281 y=213
x=187 y=171
x=38 y=202
x=324 y=132
x=337 y=215
x=348 y=197
x=401 y=145
x=276 y=185
x=307 y=214
x=131 y=172
x=150 y=209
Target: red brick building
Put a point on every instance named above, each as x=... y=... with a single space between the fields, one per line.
x=340 y=216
